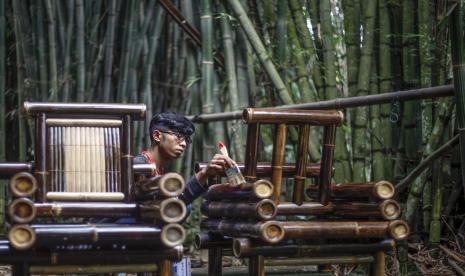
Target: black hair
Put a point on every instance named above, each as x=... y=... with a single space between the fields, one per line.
x=175 y=122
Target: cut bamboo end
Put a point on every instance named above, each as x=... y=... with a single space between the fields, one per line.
x=22 y=210
x=21 y=237
x=390 y=209
x=172 y=184
x=266 y=209
x=173 y=210
x=272 y=232
x=399 y=229
x=23 y=184
x=384 y=189
x=88 y=197
x=239 y=245
x=172 y=235
x=263 y=188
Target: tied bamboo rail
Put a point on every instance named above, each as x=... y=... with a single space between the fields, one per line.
x=407 y=95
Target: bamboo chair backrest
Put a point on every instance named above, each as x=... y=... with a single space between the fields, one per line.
x=84 y=148
x=281 y=118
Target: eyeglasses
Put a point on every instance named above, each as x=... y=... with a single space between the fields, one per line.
x=179 y=137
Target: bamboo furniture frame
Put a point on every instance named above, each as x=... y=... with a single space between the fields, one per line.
x=346 y=215
x=83 y=168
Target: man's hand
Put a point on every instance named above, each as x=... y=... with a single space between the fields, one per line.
x=218 y=163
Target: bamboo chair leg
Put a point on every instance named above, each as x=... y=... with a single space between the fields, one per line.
x=165 y=268
x=378 y=268
x=256 y=266
x=215 y=261
x=20 y=270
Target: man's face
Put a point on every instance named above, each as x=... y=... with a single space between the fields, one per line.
x=171 y=144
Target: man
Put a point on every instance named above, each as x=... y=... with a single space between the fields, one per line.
x=170 y=134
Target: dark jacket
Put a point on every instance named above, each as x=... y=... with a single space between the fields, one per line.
x=193 y=188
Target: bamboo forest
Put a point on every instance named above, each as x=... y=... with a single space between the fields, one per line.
x=350 y=113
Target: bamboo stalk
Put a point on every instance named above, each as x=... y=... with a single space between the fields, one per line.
x=204 y=240
x=230 y=66
x=378 y=190
x=41 y=49
x=385 y=81
x=81 y=64
x=67 y=58
x=309 y=230
x=260 y=51
x=458 y=61
x=305 y=39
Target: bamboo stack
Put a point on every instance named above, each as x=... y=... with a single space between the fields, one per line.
x=131 y=212
x=346 y=220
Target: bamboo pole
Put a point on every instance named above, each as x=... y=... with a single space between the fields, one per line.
x=260 y=189
x=261 y=169
x=256 y=266
x=363 y=86
x=385 y=81
x=215 y=261
x=2 y=104
x=324 y=181
x=244 y=247
x=262 y=210
x=269 y=231
x=164 y=268
x=277 y=161
x=109 y=40
x=85 y=269
x=379 y=266
x=205 y=240
x=407 y=95
x=80 y=39
x=301 y=164
x=230 y=64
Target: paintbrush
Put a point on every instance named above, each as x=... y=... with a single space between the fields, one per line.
x=233 y=173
